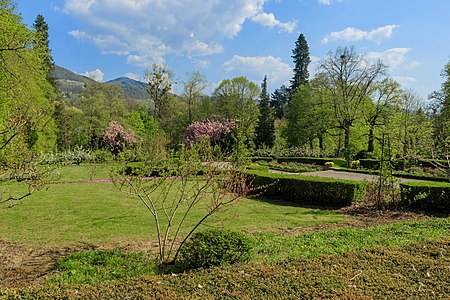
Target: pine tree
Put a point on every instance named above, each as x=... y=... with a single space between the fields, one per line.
x=265 y=130
x=279 y=99
x=300 y=54
x=41 y=42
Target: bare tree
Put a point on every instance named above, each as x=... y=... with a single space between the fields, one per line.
x=184 y=187
x=348 y=77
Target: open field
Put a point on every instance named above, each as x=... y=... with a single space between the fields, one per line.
x=298 y=252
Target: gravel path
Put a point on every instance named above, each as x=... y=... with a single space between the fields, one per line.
x=341 y=175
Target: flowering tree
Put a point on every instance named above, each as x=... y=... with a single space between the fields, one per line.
x=217 y=132
x=116 y=138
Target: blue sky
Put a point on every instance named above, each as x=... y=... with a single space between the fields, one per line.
x=228 y=38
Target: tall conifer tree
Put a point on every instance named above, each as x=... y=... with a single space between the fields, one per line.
x=300 y=55
x=265 y=130
x=41 y=41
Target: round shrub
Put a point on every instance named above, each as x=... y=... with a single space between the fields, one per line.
x=215 y=247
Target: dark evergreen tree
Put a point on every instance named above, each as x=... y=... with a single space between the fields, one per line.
x=279 y=99
x=41 y=41
x=300 y=54
x=265 y=130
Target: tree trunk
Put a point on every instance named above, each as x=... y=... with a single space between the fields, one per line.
x=347 y=144
x=370 y=146
x=320 y=142
x=338 y=150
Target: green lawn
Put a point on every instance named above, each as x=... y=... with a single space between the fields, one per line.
x=98 y=213
x=398 y=260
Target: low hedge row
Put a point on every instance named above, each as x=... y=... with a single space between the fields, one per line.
x=304 y=160
x=402 y=164
x=426 y=196
x=308 y=189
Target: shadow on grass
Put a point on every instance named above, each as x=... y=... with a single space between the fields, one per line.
x=280 y=201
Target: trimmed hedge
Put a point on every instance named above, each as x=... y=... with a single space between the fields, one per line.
x=401 y=164
x=426 y=196
x=309 y=190
x=311 y=160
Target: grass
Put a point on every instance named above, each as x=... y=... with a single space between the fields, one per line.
x=82 y=172
x=408 y=260
x=98 y=266
x=273 y=247
x=98 y=213
x=413 y=271
x=102 y=265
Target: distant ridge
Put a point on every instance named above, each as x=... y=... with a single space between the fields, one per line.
x=72 y=84
x=131 y=88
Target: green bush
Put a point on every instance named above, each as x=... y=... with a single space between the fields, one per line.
x=309 y=189
x=215 y=247
x=426 y=196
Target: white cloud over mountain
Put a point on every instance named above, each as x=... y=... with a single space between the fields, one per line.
x=145 y=31
x=351 y=34
x=96 y=75
x=277 y=71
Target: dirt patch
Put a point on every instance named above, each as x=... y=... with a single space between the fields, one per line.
x=22 y=266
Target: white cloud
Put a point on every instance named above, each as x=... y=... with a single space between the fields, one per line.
x=202 y=63
x=147 y=30
x=134 y=77
x=196 y=48
x=412 y=65
x=269 y=20
x=391 y=57
x=351 y=34
x=404 y=80
x=96 y=75
x=328 y=2
x=314 y=65
x=277 y=71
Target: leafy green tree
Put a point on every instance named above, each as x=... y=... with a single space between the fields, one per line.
x=300 y=55
x=279 y=100
x=349 y=78
x=160 y=81
x=265 y=129
x=100 y=104
x=192 y=94
x=441 y=109
x=412 y=127
x=309 y=115
x=298 y=131
x=377 y=108
x=235 y=99
x=25 y=104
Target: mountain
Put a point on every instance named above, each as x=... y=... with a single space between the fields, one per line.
x=132 y=89
x=71 y=84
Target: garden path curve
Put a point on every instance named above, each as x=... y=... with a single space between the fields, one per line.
x=342 y=175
